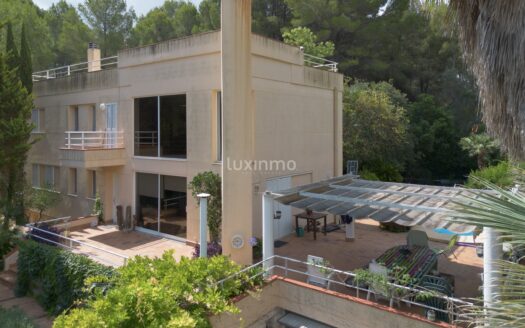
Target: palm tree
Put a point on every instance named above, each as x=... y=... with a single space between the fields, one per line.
x=492 y=39
x=504 y=211
x=481 y=146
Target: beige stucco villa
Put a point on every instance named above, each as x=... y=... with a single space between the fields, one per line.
x=136 y=128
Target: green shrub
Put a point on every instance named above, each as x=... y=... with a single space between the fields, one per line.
x=14 y=318
x=500 y=175
x=53 y=275
x=162 y=293
x=7 y=243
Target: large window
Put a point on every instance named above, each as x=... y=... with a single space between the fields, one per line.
x=161 y=203
x=45 y=176
x=160 y=126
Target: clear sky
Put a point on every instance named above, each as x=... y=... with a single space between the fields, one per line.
x=141 y=6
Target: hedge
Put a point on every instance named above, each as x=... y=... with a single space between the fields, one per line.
x=54 y=276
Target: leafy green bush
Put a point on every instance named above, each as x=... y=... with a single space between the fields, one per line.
x=53 y=275
x=14 y=318
x=162 y=293
x=500 y=174
x=7 y=243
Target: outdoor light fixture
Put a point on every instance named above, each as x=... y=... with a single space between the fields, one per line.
x=277 y=215
x=102 y=106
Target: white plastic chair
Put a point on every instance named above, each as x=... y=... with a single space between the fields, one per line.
x=314 y=273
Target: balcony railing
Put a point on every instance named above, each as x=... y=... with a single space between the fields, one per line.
x=84 y=140
x=63 y=71
x=149 y=138
x=318 y=62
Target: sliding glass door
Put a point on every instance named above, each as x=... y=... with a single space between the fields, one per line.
x=161 y=203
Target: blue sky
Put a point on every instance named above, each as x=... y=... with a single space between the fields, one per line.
x=141 y=6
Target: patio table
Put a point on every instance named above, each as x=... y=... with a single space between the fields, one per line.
x=311 y=220
x=417 y=262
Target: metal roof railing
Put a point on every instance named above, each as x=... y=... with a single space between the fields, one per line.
x=53 y=73
x=318 y=62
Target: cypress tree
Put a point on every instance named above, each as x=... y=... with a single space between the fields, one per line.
x=25 y=69
x=10 y=48
x=15 y=131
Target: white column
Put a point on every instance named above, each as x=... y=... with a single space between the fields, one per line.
x=267 y=226
x=203 y=224
x=492 y=251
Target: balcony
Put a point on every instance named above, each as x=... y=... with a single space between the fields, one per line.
x=92 y=149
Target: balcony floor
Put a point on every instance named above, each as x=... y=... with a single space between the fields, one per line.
x=131 y=244
x=371 y=242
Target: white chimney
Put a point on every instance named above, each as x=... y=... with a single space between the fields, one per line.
x=93 y=57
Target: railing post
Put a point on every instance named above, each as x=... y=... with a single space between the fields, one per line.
x=203 y=222
x=68 y=70
x=82 y=137
x=267 y=227
x=68 y=138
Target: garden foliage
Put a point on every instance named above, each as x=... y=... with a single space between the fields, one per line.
x=161 y=292
x=53 y=275
x=14 y=318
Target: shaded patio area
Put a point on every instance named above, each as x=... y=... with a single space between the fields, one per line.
x=462 y=264
x=104 y=244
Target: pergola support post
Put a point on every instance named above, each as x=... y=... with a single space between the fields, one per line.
x=267 y=227
x=203 y=224
x=492 y=251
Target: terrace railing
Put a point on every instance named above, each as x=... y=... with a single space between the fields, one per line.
x=318 y=62
x=84 y=140
x=285 y=266
x=100 y=254
x=53 y=73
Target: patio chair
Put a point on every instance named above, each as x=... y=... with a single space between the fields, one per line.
x=315 y=274
x=379 y=269
x=439 y=285
x=417 y=238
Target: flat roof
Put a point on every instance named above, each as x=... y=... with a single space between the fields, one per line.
x=401 y=203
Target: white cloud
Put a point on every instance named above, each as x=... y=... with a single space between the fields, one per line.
x=141 y=6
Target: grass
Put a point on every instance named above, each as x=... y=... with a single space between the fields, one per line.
x=14 y=318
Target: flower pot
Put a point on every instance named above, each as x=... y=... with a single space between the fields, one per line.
x=479 y=250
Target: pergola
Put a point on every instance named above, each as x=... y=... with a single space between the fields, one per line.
x=401 y=203
x=404 y=204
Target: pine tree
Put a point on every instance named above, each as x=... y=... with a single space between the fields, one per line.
x=25 y=69
x=10 y=48
x=15 y=132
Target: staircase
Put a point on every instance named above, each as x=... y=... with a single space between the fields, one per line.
x=8 y=277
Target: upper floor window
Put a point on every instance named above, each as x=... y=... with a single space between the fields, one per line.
x=82 y=118
x=160 y=126
x=38 y=120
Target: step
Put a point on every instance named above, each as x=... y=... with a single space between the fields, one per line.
x=13 y=267
x=8 y=278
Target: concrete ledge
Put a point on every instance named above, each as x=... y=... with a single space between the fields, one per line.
x=326 y=306
x=81 y=81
